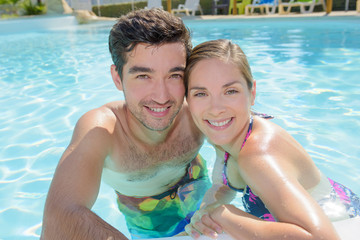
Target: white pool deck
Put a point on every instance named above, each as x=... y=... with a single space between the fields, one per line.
x=52 y=22
x=291 y=15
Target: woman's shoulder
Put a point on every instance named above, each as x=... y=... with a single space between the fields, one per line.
x=268 y=133
x=270 y=139
x=277 y=145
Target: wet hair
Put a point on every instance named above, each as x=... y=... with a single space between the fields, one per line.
x=222 y=49
x=154 y=27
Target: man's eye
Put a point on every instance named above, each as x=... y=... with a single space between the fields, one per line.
x=176 y=76
x=142 y=76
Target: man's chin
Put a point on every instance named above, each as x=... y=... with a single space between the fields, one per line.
x=159 y=124
x=157 y=127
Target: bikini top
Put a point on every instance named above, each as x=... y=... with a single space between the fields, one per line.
x=227 y=155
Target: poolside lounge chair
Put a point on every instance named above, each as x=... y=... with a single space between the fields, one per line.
x=154 y=4
x=223 y=5
x=300 y=3
x=240 y=5
x=262 y=5
x=189 y=6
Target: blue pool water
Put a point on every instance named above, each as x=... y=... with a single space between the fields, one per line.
x=307 y=73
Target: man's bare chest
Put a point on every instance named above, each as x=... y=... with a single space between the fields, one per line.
x=138 y=171
x=135 y=158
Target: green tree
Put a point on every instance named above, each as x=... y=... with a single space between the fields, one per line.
x=33 y=9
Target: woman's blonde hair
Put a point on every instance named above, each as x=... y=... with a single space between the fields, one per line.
x=222 y=49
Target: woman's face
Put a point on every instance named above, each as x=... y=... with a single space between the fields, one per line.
x=219 y=100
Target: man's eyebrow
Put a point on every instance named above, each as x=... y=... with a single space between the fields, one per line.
x=137 y=69
x=177 y=69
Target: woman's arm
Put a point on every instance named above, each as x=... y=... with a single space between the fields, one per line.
x=274 y=166
x=241 y=225
x=217 y=195
x=304 y=221
x=277 y=169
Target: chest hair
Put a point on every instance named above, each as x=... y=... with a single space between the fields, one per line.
x=175 y=153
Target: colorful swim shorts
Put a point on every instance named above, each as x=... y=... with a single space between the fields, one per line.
x=166 y=214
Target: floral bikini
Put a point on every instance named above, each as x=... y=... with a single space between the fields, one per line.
x=337 y=201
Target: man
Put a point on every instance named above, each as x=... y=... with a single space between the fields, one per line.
x=145 y=147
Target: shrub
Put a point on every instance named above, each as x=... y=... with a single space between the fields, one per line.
x=116 y=10
x=33 y=9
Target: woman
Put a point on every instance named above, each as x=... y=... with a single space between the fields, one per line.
x=285 y=195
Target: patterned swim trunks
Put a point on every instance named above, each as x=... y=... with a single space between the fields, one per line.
x=166 y=214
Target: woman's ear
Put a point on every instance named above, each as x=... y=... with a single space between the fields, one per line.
x=116 y=78
x=253 y=93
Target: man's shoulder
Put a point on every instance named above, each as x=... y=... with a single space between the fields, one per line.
x=104 y=116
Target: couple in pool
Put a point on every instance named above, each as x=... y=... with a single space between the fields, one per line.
x=146 y=148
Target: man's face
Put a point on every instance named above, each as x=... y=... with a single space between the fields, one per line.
x=153 y=84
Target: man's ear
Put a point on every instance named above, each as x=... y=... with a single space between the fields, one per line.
x=116 y=78
x=253 y=93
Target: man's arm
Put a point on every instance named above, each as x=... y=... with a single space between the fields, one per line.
x=76 y=183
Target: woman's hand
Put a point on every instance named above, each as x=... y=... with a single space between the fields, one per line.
x=202 y=223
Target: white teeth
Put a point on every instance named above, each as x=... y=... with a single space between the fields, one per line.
x=158 y=109
x=219 y=124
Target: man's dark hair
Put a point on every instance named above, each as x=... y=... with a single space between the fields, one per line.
x=154 y=27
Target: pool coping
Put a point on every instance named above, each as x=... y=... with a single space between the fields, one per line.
x=17 y=25
x=276 y=15
x=255 y=16
x=95 y=18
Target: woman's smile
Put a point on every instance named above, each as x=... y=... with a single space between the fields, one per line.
x=219 y=124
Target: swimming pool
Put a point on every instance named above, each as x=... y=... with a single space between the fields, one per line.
x=307 y=72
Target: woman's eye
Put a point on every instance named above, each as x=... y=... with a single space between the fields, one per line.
x=200 y=94
x=231 y=91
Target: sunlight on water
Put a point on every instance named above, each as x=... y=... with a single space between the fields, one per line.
x=307 y=76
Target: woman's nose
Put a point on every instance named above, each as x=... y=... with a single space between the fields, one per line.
x=216 y=106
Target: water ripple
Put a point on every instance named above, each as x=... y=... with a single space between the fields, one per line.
x=307 y=76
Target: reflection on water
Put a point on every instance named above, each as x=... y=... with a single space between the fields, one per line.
x=307 y=76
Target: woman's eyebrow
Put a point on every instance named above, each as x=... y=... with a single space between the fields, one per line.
x=230 y=83
x=224 y=86
x=197 y=88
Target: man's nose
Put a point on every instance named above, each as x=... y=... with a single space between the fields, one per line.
x=161 y=92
